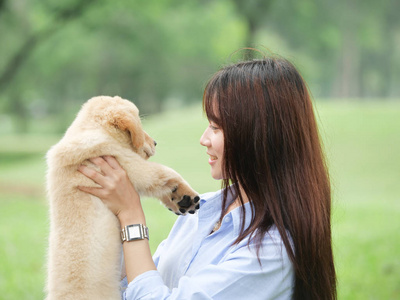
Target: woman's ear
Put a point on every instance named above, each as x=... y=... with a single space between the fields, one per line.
x=126 y=121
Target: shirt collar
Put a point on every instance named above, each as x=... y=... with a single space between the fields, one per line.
x=210 y=209
x=237 y=215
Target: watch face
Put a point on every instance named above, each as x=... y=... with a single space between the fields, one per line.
x=134 y=232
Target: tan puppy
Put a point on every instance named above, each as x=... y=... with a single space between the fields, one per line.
x=84 y=244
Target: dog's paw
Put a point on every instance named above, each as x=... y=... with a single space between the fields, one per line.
x=188 y=204
x=183 y=199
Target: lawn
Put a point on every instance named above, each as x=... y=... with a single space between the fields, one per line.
x=362 y=142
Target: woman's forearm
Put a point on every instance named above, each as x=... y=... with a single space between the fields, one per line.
x=137 y=253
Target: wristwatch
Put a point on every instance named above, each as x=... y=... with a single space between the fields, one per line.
x=134 y=232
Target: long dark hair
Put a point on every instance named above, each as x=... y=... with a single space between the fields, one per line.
x=273 y=153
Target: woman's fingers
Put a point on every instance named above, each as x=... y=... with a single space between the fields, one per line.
x=95 y=191
x=92 y=174
x=102 y=164
x=113 y=163
x=116 y=190
x=110 y=176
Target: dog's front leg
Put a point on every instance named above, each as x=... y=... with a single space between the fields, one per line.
x=156 y=180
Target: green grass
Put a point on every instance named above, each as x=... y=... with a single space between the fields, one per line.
x=23 y=230
x=363 y=146
x=362 y=142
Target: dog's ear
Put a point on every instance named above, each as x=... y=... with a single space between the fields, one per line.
x=125 y=121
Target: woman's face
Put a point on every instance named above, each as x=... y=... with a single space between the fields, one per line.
x=213 y=139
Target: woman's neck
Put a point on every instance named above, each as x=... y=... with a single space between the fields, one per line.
x=236 y=203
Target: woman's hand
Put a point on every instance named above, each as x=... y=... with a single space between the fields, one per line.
x=118 y=193
x=116 y=190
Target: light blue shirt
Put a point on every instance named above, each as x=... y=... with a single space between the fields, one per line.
x=194 y=264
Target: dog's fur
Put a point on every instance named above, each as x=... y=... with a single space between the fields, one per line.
x=84 y=244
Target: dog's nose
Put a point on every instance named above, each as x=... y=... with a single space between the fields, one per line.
x=155 y=143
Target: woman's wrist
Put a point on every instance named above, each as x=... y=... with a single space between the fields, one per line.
x=130 y=217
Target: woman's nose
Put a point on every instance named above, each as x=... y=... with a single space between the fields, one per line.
x=204 y=140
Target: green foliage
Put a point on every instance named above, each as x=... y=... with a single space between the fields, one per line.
x=351 y=46
x=152 y=52
x=57 y=54
x=362 y=145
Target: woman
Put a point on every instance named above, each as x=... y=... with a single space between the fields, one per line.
x=267 y=233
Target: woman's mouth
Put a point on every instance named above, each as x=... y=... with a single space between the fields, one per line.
x=212 y=159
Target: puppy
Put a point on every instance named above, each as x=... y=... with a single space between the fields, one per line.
x=84 y=244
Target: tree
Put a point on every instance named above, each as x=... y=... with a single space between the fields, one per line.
x=61 y=16
x=254 y=12
x=144 y=51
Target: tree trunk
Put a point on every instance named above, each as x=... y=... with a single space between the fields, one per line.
x=20 y=115
x=61 y=17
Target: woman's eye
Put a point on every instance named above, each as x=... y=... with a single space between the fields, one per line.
x=213 y=127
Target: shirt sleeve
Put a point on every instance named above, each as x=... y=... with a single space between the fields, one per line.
x=239 y=276
x=156 y=255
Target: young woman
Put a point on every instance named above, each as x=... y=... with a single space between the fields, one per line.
x=267 y=233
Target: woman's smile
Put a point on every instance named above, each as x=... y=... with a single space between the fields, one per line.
x=213 y=139
x=212 y=158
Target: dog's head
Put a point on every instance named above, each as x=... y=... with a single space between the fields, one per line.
x=121 y=119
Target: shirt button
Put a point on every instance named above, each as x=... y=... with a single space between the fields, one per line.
x=227 y=219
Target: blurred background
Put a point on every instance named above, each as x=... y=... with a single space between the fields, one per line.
x=56 y=54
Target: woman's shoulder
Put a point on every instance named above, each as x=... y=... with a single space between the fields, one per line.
x=270 y=246
x=210 y=195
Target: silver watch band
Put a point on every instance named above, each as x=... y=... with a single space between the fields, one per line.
x=134 y=232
